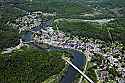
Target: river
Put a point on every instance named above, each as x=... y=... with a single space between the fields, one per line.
x=78 y=60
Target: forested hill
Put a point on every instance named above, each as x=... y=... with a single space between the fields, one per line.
x=112 y=3
x=102 y=8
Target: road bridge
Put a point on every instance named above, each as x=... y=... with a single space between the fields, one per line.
x=86 y=77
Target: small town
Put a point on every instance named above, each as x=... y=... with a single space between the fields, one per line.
x=62 y=41
x=89 y=46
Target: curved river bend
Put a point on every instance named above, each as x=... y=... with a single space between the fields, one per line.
x=78 y=60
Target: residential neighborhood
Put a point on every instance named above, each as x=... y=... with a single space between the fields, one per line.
x=90 y=47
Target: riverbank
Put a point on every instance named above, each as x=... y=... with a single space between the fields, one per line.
x=77 y=58
x=46 y=35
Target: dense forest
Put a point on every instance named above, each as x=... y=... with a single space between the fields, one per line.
x=29 y=65
x=9 y=35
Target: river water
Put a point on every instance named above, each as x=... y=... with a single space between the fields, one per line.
x=78 y=60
